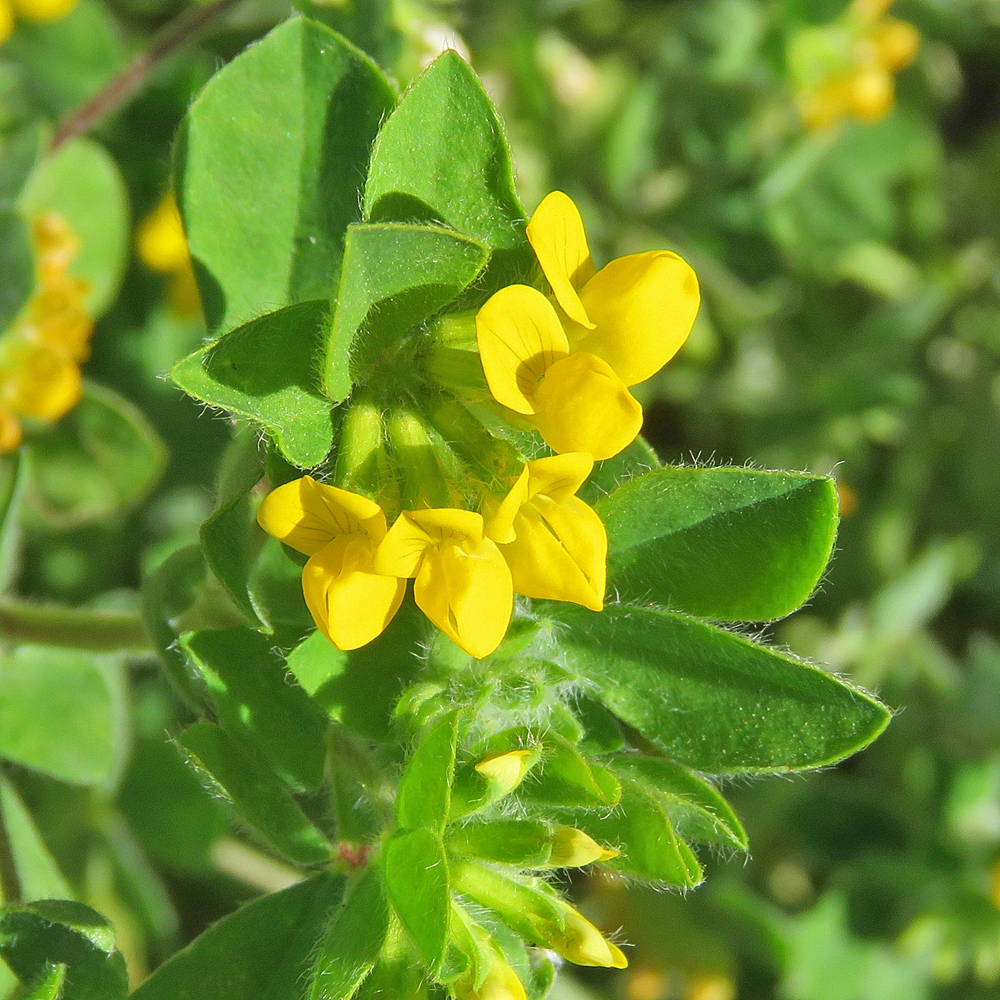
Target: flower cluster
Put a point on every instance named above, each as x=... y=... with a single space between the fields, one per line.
x=847 y=69
x=40 y=354
x=31 y=10
x=565 y=362
x=162 y=247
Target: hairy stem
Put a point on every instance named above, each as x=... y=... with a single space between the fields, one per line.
x=131 y=79
x=77 y=628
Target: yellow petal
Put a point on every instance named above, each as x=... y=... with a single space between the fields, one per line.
x=43 y=10
x=873 y=93
x=6 y=29
x=417 y=531
x=466 y=590
x=559 y=476
x=582 y=405
x=897 y=43
x=557 y=236
x=560 y=552
x=307 y=515
x=643 y=307
x=11 y=434
x=572 y=848
x=507 y=770
x=349 y=602
x=160 y=241
x=501 y=983
x=182 y=293
x=47 y=382
x=500 y=526
x=519 y=336
x=582 y=943
x=55 y=244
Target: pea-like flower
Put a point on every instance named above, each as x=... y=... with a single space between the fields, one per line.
x=569 y=370
x=462 y=582
x=40 y=354
x=340 y=532
x=555 y=544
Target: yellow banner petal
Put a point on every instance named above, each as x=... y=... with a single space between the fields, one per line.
x=582 y=405
x=349 y=602
x=307 y=515
x=520 y=337
x=643 y=306
x=559 y=476
x=557 y=236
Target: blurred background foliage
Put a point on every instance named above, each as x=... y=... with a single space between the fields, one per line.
x=851 y=324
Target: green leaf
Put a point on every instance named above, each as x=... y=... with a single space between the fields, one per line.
x=239 y=775
x=442 y=157
x=266 y=370
x=713 y=700
x=636 y=460
x=37 y=872
x=81 y=183
x=416 y=877
x=20 y=150
x=51 y=985
x=641 y=830
x=17 y=265
x=695 y=806
x=103 y=458
x=353 y=941
x=565 y=777
x=168 y=591
x=424 y=794
x=271 y=160
x=263 y=951
x=36 y=936
x=62 y=713
x=230 y=538
x=256 y=702
x=361 y=688
x=394 y=277
x=730 y=544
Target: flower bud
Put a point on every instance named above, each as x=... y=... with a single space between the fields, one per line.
x=501 y=983
x=572 y=848
x=582 y=943
x=506 y=771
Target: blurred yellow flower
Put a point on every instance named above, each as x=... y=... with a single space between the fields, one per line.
x=462 y=582
x=569 y=370
x=339 y=531
x=162 y=247
x=40 y=353
x=857 y=58
x=501 y=983
x=555 y=545
x=31 y=10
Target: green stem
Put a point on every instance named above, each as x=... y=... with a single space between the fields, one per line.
x=10 y=881
x=51 y=625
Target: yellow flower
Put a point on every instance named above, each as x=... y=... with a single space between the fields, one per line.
x=506 y=771
x=570 y=373
x=462 y=581
x=339 y=531
x=43 y=10
x=162 y=246
x=555 y=545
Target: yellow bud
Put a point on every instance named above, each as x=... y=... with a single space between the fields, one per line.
x=896 y=44
x=501 y=983
x=44 y=10
x=582 y=943
x=160 y=241
x=572 y=848
x=872 y=93
x=507 y=770
x=824 y=108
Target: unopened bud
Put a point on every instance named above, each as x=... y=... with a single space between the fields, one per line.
x=572 y=848
x=897 y=44
x=501 y=983
x=582 y=943
x=507 y=770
